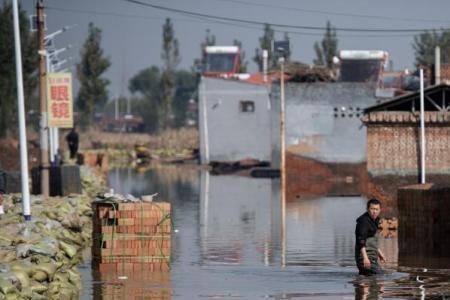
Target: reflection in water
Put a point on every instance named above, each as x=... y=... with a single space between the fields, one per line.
x=368 y=289
x=228 y=244
x=237 y=218
x=321 y=231
x=132 y=285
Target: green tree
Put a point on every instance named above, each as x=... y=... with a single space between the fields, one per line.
x=93 y=93
x=244 y=64
x=210 y=40
x=147 y=82
x=145 y=86
x=8 y=90
x=265 y=43
x=186 y=87
x=425 y=43
x=171 y=58
x=327 y=49
x=110 y=107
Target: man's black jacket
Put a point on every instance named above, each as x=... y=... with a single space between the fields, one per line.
x=366 y=227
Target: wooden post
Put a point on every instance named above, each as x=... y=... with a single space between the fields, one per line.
x=43 y=128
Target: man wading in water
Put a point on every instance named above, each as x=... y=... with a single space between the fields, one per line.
x=366 y=247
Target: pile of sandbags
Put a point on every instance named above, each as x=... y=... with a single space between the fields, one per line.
x=38 y=258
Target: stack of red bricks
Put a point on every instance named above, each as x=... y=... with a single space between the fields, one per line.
x=131 y=236
x=445 y=72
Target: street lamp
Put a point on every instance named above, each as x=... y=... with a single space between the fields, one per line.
x=57 y=66
x=54 y=53
x=49 y=37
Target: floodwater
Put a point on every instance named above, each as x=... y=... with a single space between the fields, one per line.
x=229 y=245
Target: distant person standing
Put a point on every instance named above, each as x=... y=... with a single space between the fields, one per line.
x=72 y=142
x=366 y=246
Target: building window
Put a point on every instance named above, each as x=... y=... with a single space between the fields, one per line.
x=247 y=106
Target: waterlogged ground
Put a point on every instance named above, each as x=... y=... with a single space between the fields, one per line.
x=229 y=245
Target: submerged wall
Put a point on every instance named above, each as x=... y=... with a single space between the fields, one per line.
x=323 y=120
x=234 y=121
x=424 y=226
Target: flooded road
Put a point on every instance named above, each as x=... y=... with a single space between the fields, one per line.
x=228 y=245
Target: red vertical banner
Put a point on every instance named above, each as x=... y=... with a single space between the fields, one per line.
x=59 y=100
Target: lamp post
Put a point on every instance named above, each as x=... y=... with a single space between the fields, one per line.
x=26 y=210
x=422 y=131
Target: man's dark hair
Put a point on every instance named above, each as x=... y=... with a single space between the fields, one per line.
x=373 y=201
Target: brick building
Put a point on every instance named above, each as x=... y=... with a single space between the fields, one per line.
x=393 y=133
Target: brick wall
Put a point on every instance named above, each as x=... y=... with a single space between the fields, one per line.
x=424 y=225
x=395 y=148
x=445 y=72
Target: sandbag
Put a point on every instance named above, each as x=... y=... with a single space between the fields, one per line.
x=72 y=221
x=24 y=250
x=36 y=296
x=75 y=278
x=22 y=266
x=61 y=277
x=38 y=287
x=40 y=276
x=6 y=286
x=48 y=268
x=70 y=250
x=22 y=277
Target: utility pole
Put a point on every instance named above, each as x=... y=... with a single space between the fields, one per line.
x=282 y=164
x=282 y=48
x=43 y=128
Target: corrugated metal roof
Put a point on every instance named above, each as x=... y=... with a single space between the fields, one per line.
x=404 y=98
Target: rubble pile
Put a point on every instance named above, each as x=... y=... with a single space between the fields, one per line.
x=304 y=73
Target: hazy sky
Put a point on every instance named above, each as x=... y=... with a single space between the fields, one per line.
x=132 y=33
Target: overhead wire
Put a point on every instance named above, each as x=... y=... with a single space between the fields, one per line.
x=253 y=22
x=113 y=14
x=323 y=12
x=210 y=20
